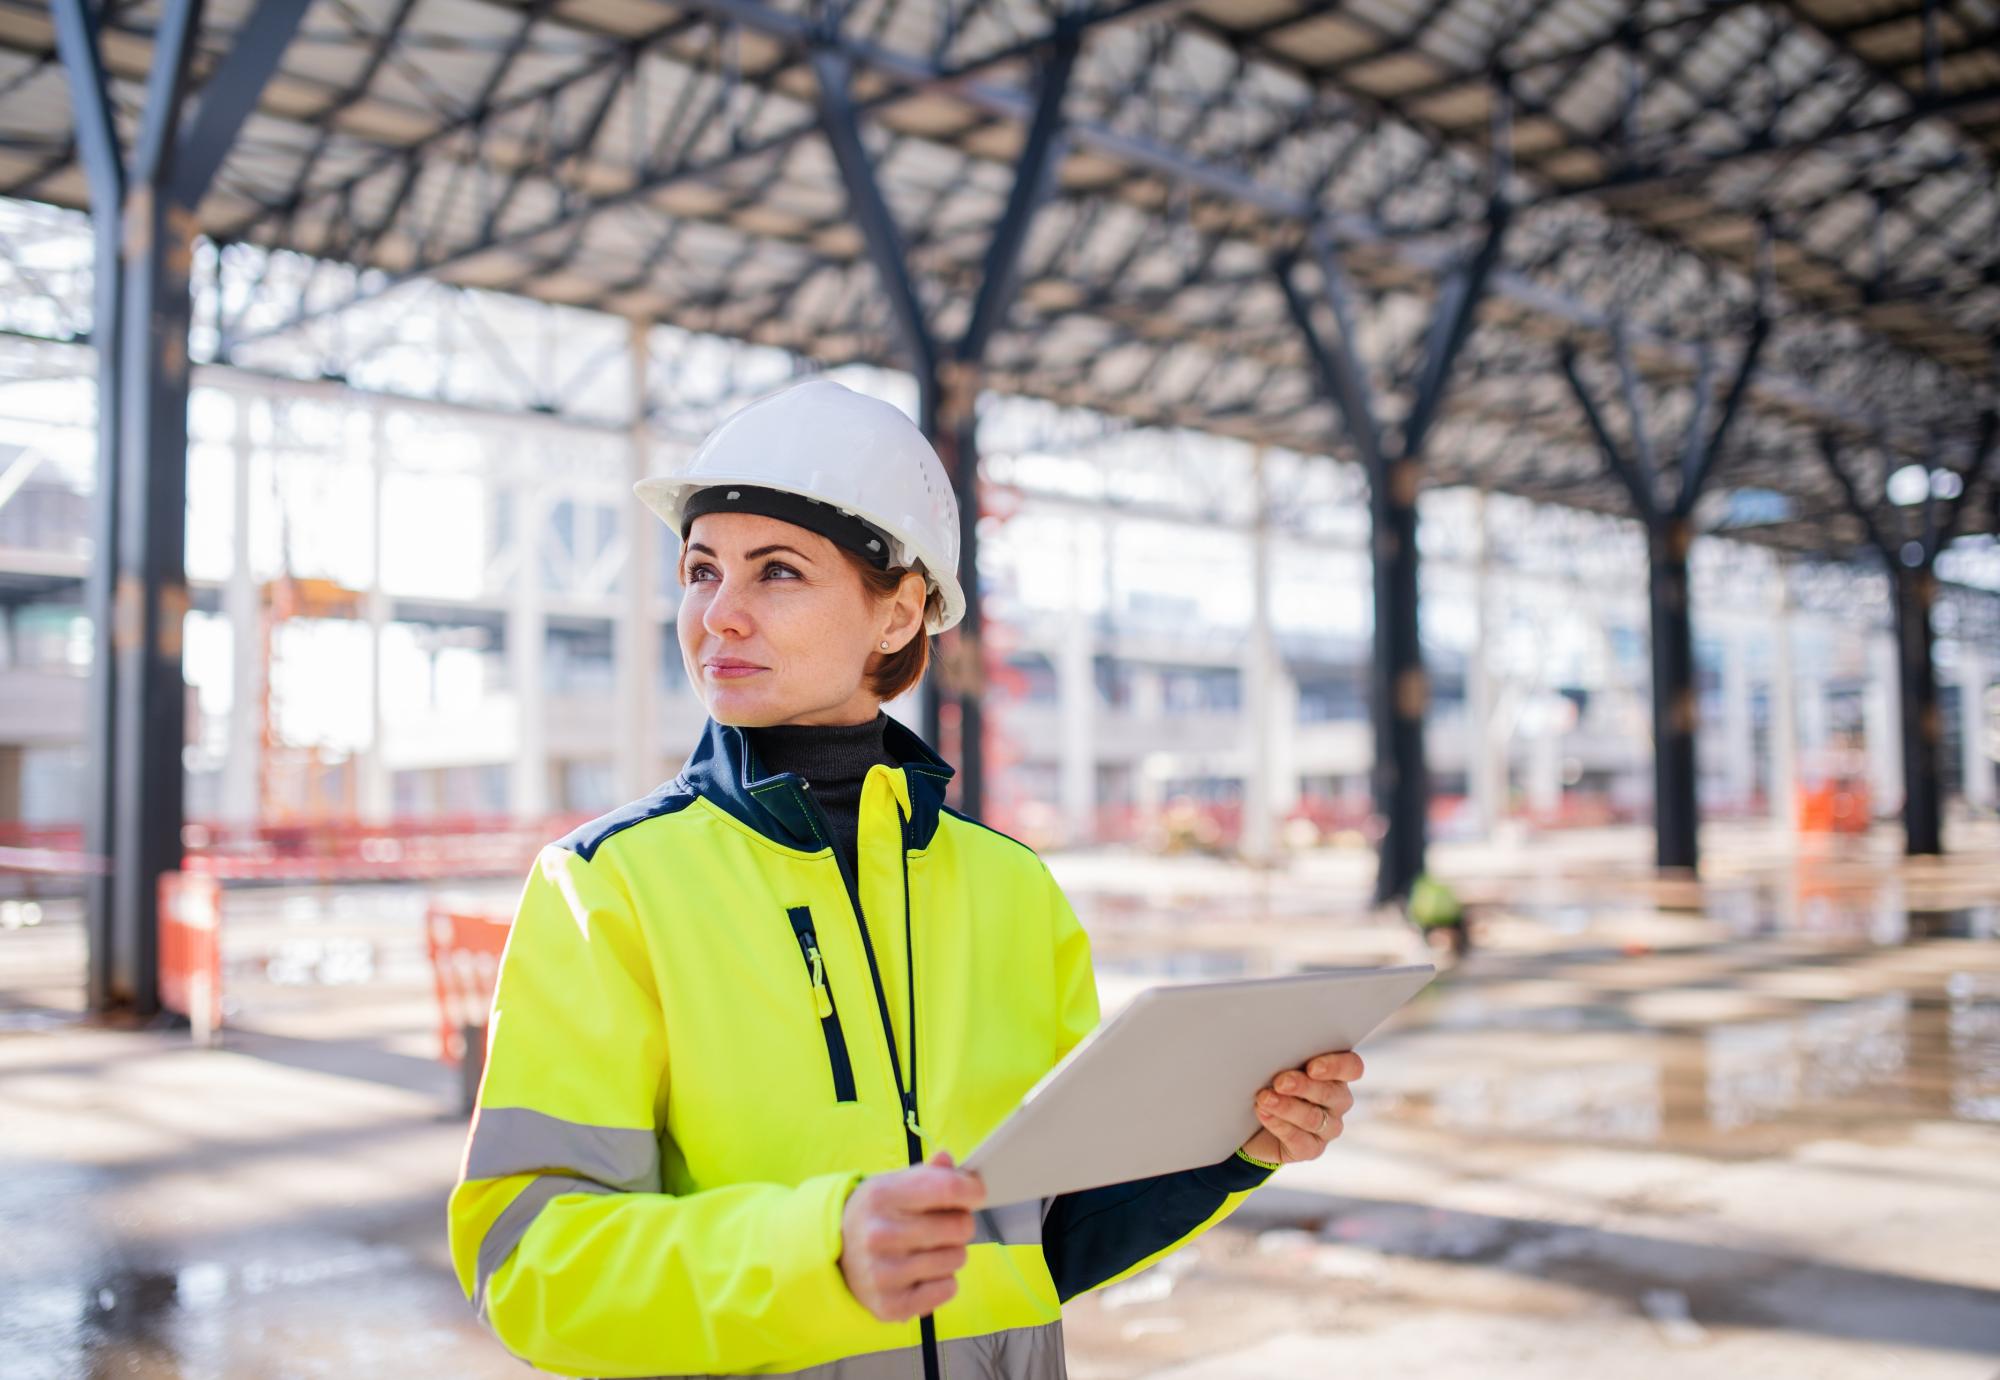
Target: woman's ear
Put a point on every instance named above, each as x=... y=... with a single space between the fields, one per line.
x=906 y=611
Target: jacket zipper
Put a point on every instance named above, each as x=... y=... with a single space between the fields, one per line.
x=927 y=1326
x=829 y=1016
x=913 y=1141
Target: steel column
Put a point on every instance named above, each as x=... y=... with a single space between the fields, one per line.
x=1915 y=591
x=950 y=422
x=144 y=219
x=1399 y=691
x=104 y=169
x=1670 y=535
x=1677 y=813
x=1911 y=559
x=152 y=593
x=948 y=385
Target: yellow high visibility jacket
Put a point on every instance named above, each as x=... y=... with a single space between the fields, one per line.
x=706 y=1032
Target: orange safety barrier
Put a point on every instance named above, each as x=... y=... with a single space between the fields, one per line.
x=465 y=949
x=191 y=950
x=1838 y=807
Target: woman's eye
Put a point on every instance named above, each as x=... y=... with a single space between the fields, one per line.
x=696 y=571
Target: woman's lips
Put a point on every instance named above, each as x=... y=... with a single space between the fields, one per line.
x=732 y=672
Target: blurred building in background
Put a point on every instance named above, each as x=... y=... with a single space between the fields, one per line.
x=408 y=610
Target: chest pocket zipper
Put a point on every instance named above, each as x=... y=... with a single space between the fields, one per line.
x=829 y=1017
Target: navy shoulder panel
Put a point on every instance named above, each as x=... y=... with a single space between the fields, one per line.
x=982 y=824
x=586 y=839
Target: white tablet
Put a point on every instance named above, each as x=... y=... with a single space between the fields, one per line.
x=1168 y=1083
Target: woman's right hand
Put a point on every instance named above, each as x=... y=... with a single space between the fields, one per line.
x=904 y=1237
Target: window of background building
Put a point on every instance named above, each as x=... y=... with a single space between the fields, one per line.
x=1114 y=681
x=479 y=789
x=1040 y=781
x=1037 y=677
x=1630 y=647
x=1447 y=697
x=585 y=785
x=1114 y=783
x=1332 y=699
x=1200 y=689
x=1210 y=790
x=45 y=637
x=579 y=660
x=42 y=516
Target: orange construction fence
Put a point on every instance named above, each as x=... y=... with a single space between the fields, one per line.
x=191 y=950
x=465 y=949
x=1836 y=807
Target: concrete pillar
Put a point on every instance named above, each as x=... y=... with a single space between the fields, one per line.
x=242 y=604
x=1812 y=715
x=377 y=801
x=1259 y=837
x=1286 y=787
x=1784 y=783
x=1738 y=731
x=636 y=641
x=1974 y=675
x=1076 y=704
x=1545 y=784
x=1881 y=710
x=527 y=640
x=1486 y=748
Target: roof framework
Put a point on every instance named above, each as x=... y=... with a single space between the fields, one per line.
x=1674 y=167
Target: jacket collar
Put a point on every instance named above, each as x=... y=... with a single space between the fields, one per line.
x=724 y=770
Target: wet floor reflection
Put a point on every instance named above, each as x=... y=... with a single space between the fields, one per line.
x=1868 y=1064
x=1973 y=1030
x=1735 y=1016
x=1761 y=1070
x=1619 y=1100
x=212 y=1317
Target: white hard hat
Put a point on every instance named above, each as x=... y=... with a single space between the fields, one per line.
x=827 y=442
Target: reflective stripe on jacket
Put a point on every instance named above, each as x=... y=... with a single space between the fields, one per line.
x=701 y=1040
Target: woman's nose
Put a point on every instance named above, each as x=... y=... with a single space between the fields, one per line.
x=728 y=611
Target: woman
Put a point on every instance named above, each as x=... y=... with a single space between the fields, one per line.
x=735 y=1016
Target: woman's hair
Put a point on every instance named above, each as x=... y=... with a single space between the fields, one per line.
x=904 y=667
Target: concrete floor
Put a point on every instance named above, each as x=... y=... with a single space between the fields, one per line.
x=1750 y=1127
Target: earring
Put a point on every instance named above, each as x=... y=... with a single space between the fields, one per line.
x=885 y=646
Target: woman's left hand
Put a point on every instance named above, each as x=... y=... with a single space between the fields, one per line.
x=1301 y=1109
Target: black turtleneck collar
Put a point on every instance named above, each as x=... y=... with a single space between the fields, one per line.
x=834 y=760
x=824 y=754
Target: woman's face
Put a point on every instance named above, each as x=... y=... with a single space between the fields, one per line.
x=777 y=627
